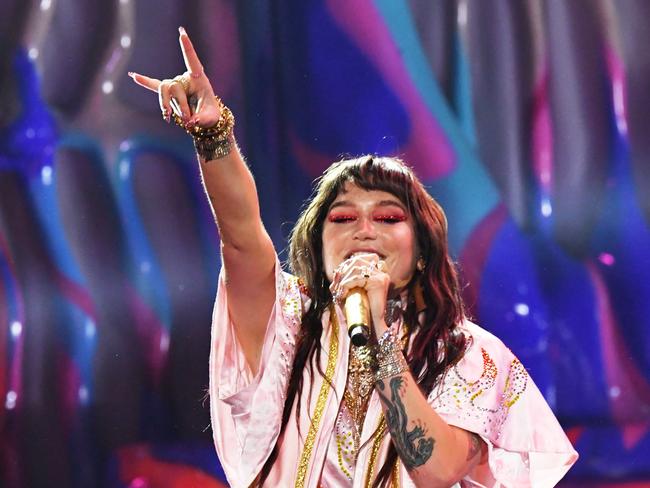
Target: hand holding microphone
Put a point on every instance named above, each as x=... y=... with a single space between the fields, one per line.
x=360 y=280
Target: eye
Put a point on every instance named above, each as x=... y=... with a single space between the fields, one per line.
x=390 y=219
x=341 y=218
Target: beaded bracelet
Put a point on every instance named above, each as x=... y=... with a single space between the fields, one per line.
x=212 y=142
x=390 y=360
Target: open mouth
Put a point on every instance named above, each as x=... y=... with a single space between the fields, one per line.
x=365 y=251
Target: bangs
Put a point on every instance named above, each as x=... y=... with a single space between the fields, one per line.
x=370 y=173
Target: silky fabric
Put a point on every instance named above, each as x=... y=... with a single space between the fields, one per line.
x=487 y=392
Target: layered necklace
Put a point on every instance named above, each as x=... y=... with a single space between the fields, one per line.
x=359 y=387
x=349 y=423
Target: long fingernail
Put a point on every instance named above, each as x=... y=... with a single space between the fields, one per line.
x=181 y=30
x=131 y=74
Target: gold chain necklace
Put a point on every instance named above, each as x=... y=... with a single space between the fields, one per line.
x=361 y=381
x=356 y=397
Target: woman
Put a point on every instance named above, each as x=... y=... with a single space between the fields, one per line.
x=431 y=400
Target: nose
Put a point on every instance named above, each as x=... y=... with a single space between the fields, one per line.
x=365 y=229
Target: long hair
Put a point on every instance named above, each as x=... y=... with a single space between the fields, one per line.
x=436 y=345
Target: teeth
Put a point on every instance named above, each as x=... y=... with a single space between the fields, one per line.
x=381 y=256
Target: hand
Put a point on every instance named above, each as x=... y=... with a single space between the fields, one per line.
x=189 y=95
x=367 y=271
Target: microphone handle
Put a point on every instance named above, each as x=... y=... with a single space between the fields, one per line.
x=357 y=316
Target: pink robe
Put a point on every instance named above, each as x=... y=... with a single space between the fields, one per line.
x=488 y=392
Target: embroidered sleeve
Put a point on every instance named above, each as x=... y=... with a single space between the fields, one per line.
x=490 y=393
x=290 y=299
x=481 y=397
x=246 y=409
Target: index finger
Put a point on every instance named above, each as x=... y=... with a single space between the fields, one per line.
x=192 y=63
x=145 y=81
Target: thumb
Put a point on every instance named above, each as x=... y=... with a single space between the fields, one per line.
x=207 y=111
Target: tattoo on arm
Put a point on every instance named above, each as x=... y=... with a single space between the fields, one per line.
x=413 y=447
x=474 y=446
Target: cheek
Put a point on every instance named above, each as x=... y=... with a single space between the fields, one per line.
x=407 y=251
x=328 y=264
x=328 y=256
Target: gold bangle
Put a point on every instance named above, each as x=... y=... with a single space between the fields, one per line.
x=225 y=124
x=390 y=359
x=183 y=80
x=211 y=148
x=212 y=142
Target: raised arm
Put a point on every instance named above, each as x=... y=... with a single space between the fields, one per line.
x=247 y=251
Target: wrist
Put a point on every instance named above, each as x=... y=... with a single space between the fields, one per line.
x=380 y=327
x=213 y=142
x=212 y=148
x=390 y=359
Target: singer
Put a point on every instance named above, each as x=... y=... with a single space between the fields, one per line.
x=430 y=400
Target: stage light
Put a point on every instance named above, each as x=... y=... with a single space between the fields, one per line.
x=522 y=309
x=83 y=395
x=90 y=329
x=46 y=175
x=107 y=87
x=124 y=169
x=164 y=342
x=10 y=401
x=606 y=258
x=16 y=329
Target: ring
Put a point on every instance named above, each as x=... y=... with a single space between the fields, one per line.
x=196 y=75
x=183 y=80
x=337 y=297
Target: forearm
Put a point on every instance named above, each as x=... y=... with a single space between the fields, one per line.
x=248 y=255
x=434 y=453
x=232 y=194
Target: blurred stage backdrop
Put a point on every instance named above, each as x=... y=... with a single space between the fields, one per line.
x=528 y=120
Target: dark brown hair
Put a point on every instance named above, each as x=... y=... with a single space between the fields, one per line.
x=436 y=345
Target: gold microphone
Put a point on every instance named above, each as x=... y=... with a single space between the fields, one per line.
x=357 y=315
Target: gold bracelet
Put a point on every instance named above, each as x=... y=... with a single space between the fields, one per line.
x=390 y=359
x=211 y=148
x=212 y=142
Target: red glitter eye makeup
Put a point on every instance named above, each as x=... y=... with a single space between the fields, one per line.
x=340 y=218
x=390 y=219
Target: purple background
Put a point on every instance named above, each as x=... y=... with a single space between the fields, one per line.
x=528 y=121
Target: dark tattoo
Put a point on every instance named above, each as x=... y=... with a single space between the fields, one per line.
x=474 y=446
x=412 y=453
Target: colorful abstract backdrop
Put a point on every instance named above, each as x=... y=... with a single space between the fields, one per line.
x=529 y=120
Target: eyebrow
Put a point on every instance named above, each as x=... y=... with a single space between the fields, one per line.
x=382 y=203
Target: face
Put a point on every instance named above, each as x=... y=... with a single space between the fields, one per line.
x=370 y=221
